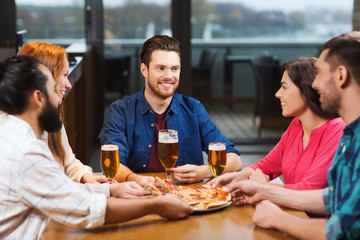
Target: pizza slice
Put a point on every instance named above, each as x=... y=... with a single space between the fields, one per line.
x=164 y=187
x=213 y=197
x=190 y=194
x=170 y=185
x=153 y=190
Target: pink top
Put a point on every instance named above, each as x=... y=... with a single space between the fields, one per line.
x=303 y=169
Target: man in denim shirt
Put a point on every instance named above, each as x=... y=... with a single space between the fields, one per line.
x=134 y=121
x=338 y=83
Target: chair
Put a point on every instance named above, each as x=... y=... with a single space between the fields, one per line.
x=201 y=75
x=267 y=111
x=117 y=69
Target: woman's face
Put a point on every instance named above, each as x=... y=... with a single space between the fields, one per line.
x=292 y=102
x=62 y=81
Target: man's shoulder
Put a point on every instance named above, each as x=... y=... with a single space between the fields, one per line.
x=182 y=99
x=128 y=101
x=128 y=98
x=17 y=133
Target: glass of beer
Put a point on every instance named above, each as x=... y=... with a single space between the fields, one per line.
x=109 y=160
x=168 y=149
x=217 y=158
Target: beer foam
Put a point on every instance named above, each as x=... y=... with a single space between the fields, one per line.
x=217 y=147
x=109 y=147
x=167 y=139
x=168 y=136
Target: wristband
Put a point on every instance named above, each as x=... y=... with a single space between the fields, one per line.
x=127 y=175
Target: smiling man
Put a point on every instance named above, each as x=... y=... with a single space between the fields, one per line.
x=133 y=122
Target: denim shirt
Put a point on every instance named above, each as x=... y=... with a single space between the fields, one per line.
x=130 y=123
x=342 y=197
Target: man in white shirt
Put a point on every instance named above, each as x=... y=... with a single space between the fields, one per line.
x=33 y=188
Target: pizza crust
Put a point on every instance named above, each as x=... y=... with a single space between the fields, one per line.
x=154 y=190
x=163 y=186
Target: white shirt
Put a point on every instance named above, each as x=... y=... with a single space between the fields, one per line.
x=34 y=189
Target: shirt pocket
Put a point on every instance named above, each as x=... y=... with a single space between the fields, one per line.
x=190 y=151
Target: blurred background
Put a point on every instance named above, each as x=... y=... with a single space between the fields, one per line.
x=221 y=41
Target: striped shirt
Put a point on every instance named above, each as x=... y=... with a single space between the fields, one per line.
x=342 y=197
x=34 y=189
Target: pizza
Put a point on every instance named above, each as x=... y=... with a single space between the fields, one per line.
x=153 y=190
x=204 y=197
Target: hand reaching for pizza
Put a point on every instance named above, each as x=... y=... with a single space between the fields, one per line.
x=245 y=192
x=190 y=173
x=128 y=190
x=172 y=206
x=228 y=179
x=259 y=176
x=145 y=180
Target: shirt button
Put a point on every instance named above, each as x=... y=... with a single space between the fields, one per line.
x=149 y=145
x=152 y=125
x=144 y=166
x=331 y=188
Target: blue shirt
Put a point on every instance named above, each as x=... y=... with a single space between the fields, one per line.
x=342 y=197
x=130 y=123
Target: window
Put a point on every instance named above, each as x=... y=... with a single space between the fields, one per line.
x=51 y=19
x=134 y=19
x=277 y=19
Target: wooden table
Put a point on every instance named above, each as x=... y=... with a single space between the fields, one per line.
x=229 y=223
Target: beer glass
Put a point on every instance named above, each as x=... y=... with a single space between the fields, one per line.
x=168 y=149
x=109 y=160
x=217 y=158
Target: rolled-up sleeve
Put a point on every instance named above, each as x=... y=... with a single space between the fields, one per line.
x=344 y=222
x=43 y=186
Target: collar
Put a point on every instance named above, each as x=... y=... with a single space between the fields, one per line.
x=20 y=124
x=145 y=107
x=353 y=127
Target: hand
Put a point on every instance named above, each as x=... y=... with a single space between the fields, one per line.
x=143 y=180
x=190 y=173
x=260 y=177
x=245 y=192
x=172 y=206
x=92 y=178
x=265 y=214
x=128 y=190
x=226 y=179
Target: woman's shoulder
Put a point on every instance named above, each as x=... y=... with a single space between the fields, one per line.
x=295 y=123
x=336 y=123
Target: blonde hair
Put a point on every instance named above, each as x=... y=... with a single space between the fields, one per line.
x=53 y=57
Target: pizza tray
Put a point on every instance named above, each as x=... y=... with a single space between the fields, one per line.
x=200 y=210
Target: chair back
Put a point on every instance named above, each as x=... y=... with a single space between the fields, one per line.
x=267 y=74
x=207 y=58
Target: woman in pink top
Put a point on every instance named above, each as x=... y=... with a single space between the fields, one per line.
x=306 y=150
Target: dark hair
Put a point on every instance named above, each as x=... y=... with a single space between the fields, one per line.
x=345 y=50
x=54 y=58
x=158 y=42
x=19 y=77
x=302 y=73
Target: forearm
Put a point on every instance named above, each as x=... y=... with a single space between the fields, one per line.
x=233 y=163
x=301 y=228
x=121 y=210
x=309 y=200
x=124 y=172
